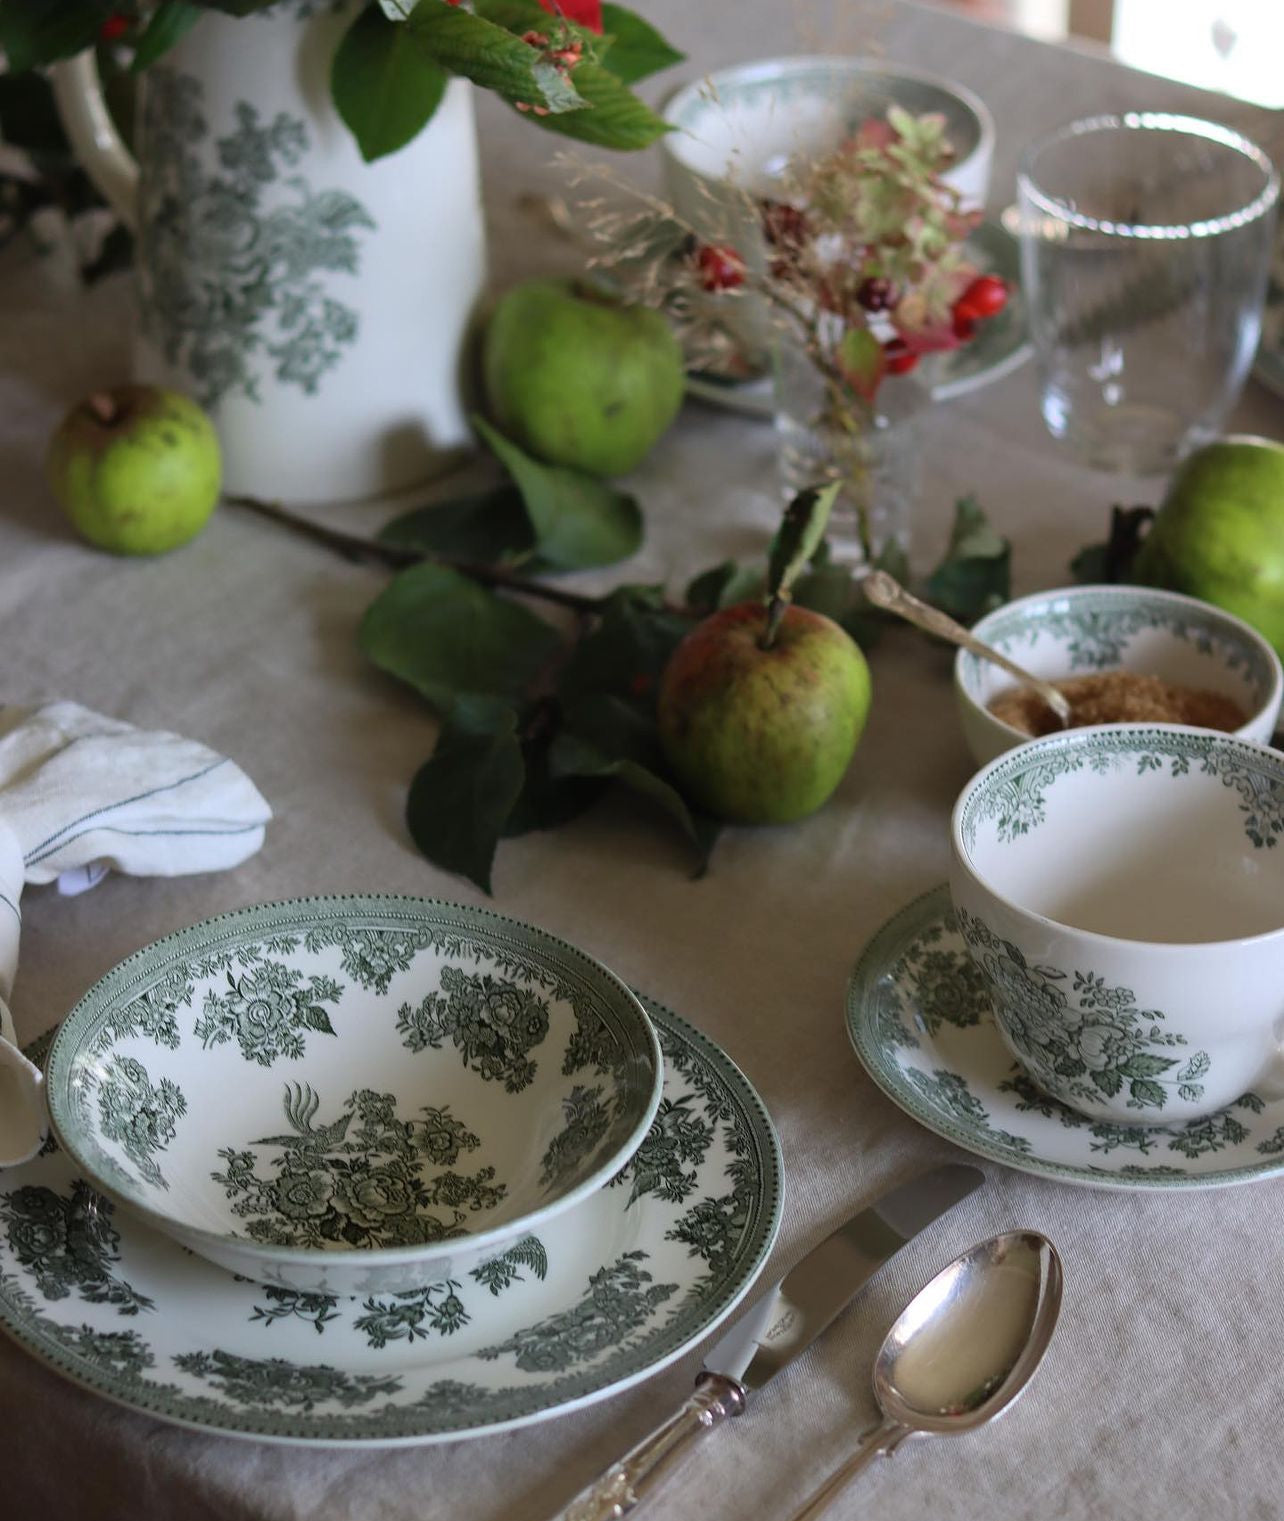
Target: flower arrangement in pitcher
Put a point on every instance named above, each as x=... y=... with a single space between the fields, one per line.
x=567 y=64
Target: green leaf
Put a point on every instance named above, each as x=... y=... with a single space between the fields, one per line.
x=606 y=737
x=37 y=32
x=547 y=800
x=579 y=520
x=462 y=43
x=976 y=574
x=171 y=20
x=637 y=49
x=462 y=796
x=1113 y=561
x=618 y=119
x=1146 y=1092
x=724 y=585
x=861 y=359
x=491 y=528
x=628 y=650
x=799 y=537
x=1109 y=1082
x=316 y=1018
x=1144 y=1065
x=384 y=83
x=447 y=636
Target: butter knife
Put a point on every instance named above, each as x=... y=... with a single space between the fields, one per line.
x=780 y=1327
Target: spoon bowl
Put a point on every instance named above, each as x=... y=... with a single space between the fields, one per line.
x=961 y=1351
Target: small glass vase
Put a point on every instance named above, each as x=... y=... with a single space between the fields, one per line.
x=874 y=450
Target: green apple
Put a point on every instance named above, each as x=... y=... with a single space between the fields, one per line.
x=763 y=735
x=578 y=379
x=136 y=469
x=1219 y=532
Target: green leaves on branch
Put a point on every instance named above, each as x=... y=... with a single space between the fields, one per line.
x=636 y=49
x=170 y=21
x=975 y=576
x=37 y=32
x=385 y=83
x=563 y=519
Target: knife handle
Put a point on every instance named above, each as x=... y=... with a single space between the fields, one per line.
x=627 y=1483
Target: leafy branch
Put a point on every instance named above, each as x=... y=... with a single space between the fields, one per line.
x=537 y=721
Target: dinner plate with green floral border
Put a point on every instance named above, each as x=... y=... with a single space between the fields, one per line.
x=626 y=1282
x=918 y=1016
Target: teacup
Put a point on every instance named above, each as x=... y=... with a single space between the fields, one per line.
x=736 y=132
x=1121 y=891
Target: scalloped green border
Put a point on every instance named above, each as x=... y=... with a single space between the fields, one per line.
x=627 y=1366
x=882 y=953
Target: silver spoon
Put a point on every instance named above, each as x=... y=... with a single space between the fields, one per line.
x=961 y=1350
x=886 y=592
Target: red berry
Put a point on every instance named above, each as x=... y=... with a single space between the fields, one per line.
x=783 y=225
x=113 y=28
x=985 y=297
x=721 y=268
x=877 y=294
x=964 y=323
x=900 y=359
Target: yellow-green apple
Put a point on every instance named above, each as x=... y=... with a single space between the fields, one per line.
x=579 y=379
x=136 y=469
x=760 y=730
x=1219 y=532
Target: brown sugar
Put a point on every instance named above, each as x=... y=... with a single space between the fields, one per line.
x=1118 y=697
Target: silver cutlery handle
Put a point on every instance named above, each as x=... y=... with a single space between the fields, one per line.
x=884 y=1438
x=627 y=1483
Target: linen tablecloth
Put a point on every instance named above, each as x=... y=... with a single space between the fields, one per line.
x=1159 y=1396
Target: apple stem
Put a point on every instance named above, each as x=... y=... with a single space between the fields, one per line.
x=775 y=614
x=103 y=405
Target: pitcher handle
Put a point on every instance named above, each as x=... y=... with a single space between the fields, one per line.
x=78 y=92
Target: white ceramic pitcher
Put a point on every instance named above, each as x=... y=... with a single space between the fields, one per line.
x=317 y=305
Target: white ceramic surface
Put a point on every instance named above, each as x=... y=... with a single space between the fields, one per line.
x=354 y=1095
x=317 y=305
x=1121 y=891
x=1075 y=631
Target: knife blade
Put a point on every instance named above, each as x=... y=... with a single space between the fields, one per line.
x=779 y=1329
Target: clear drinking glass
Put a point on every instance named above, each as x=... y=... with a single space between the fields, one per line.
x=1145 y=244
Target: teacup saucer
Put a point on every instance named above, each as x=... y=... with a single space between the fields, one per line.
x=627 y=1281
x=920 y=1021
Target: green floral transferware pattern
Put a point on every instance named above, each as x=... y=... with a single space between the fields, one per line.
x=1016 y=795
x=1094 y=628
x=1079 y=1034
x=393 y=1059
x=231 y=261
x=629 y=1279
x=920 y=1021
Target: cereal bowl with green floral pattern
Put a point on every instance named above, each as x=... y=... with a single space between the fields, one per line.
x=1120 y=889
x=354 y=1095
x=1084 y=630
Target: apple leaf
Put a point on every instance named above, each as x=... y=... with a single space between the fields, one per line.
x=628 y=650
x=637 y=49
x=170 y=21
x=463 y=43
x=724 y=585
x=975 y=575
x=384 y=83
x=1112 y=561
x=799 y=537
x=462 y=796
x=35 y=32
x=579 y=520
x=618 y=119
x=449 y=637
x=607 y=737
x=490 y=528
x=861 y=359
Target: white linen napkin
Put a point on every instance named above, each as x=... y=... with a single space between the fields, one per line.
x=80 y=795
